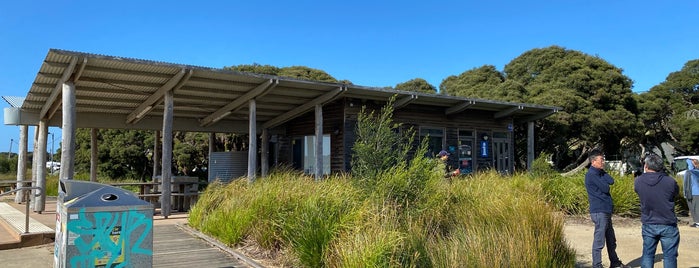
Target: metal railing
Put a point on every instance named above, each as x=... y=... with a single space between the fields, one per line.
x=26 y=197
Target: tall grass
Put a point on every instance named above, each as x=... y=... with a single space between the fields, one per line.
x=483 y=221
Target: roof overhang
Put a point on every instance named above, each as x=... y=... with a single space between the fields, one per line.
x=117 y=92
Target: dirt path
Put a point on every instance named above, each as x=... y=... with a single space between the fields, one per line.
x=579 y=229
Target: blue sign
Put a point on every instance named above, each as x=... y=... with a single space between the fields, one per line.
x=484 y=149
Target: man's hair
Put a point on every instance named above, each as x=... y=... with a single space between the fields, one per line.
x=592 y=155
x=654 y=162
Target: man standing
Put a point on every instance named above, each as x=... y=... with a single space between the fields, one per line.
x=597 y=183
x=691 y=189
x=657 y=192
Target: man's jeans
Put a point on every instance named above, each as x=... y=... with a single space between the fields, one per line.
x=669 y=237
x=604 y=233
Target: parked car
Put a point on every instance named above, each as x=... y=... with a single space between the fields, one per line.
x=53 y=166
x=679 y=164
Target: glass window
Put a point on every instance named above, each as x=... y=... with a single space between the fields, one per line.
x=436 y=139
x=309 y=154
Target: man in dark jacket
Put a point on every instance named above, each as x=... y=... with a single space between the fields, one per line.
x=597 y=183
x=657 y=192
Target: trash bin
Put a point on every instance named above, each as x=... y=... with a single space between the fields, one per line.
x=98 y=225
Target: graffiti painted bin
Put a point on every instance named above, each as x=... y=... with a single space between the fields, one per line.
x=98 y=225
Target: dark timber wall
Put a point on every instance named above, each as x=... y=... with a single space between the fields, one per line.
x=340 y=118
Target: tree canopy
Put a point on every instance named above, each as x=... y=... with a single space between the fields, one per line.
x=298 y=72
x=417 y=85
x=670 y=110
x=598 y=105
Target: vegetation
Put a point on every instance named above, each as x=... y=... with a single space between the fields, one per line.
x=398 y=213
x=484 y=221
x=417 y=85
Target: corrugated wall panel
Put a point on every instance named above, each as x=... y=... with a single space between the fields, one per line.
x=226 y=166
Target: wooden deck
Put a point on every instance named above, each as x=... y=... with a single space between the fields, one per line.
x=174 y=244
x=175 y=247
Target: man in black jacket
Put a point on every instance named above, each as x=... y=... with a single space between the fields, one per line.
x=597 y=184
x=657 y=192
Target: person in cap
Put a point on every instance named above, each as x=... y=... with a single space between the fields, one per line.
x=443 y=155
x=691 y=189
x=597 y=183
x=657 y=192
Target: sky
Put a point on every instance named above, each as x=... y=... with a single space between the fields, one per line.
x=370 y=43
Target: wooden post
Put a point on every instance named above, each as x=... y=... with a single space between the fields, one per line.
x=319 y=142
x=35 y=165
x=156 y=154
x=212 y=142
x=252 y=153
x=93 y=155
x=68 y=132
x=530 y=144
x=22 y=162
x=40 y=200
x=264 y=159
x=167 y=154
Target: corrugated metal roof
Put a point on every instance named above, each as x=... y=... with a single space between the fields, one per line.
x=14 y=101
x=130 y=91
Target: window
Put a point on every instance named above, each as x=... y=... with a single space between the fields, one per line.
x=436 y=139
x=309 y=154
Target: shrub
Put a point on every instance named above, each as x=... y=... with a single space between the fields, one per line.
x=379 y=145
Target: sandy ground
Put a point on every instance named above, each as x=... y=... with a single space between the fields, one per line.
x=579 y=229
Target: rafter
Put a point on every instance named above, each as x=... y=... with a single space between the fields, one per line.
x=175 y=82
x=235 y=105
x=327 y=97
x=57 y=90
x=460 y=107
x=508 y=112
x=404 y=101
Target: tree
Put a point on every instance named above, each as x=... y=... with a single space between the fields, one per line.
x=121 y=153
x=298 y=72
x=417 y=85
x=599 y=109
x=474 y=83
x=670 y=110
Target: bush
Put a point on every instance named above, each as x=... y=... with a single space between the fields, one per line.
x=379 y=145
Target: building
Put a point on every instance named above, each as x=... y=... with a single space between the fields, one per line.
x=303 y=123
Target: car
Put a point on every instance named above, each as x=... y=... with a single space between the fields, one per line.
x=679 y=164
x=53 y=166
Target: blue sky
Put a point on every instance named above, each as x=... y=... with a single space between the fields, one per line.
x=371 y=43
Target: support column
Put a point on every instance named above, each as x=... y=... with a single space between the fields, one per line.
x=252 y=153
x=319 y=143
x=156 y=154
x=264 y=159
x=530 y=144
x=93 y=155
x=40 y=200
x=167 y=154
x=22 y=163
x=68 y=132
x=35 y=165
x=212 y=142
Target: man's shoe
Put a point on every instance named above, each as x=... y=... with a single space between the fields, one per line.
x=620 y=265
x=695 y=225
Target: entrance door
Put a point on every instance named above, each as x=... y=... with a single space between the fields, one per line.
x=501 y=153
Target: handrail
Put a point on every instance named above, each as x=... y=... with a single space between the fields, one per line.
x=26 y=210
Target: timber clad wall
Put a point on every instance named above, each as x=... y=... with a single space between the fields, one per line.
x=340 y=118
x=333 y=125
